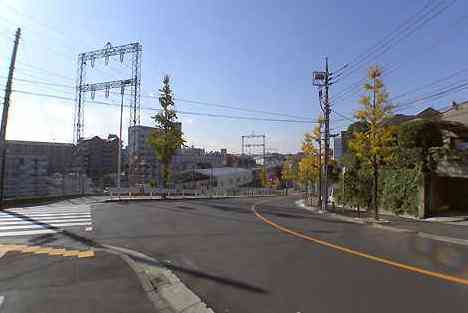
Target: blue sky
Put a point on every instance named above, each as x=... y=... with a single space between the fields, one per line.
x=257 y=55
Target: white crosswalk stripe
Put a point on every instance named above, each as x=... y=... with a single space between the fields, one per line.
x=43 y=220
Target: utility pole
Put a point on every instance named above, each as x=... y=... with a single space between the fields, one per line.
x=327 y=138
x=322 y=79
x=6 y=107
x=374 y=161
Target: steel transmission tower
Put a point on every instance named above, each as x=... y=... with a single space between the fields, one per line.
x=86 y=61
x=253 y=145
x=133 y=83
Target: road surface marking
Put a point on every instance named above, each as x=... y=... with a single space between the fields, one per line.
x=57 y=252
x=44 y=215
x=43 y=220
x=43 y=251
x=30 y=249
x=71 y=253
x=2 y=299
x=27 y=232
x=49 y=209
x=46 y=250
x=86 y=254
x=410 y=268
x=35 y=226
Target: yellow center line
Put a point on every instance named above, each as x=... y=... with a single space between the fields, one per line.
x=410 y=268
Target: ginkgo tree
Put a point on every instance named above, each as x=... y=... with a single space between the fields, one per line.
x=374 y=145
x=168 y=136
x=289 y=172
x=309 y=166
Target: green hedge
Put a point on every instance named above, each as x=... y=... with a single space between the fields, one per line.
x=399 y=190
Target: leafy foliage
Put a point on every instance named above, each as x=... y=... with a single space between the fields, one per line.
x=309 y=166
x=289 y=172
x=400 y=190
x=167 y=139
x=374 y=146
x=417 y=137
x=152 y=183
x=263 y=177
x=357 y=183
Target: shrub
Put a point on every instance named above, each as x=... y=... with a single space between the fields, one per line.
x=400 y=190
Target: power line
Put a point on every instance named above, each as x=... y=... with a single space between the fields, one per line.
x=436 y=10
x=436 y=95
x=427 y=17
x=433 y=83
x=178 y=111
x=445 y=78
x=64 y=38
x=176 y=99
x=389 y=37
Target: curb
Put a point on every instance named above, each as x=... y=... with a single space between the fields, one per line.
x=182 y=199
x=452 y=240
x=391 y=228
x=165 y=290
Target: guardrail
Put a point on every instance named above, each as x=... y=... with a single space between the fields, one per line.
x=165 y=194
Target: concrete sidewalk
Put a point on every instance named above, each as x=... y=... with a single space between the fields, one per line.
x=441 y=231
x=45 y=283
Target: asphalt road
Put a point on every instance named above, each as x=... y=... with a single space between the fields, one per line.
x=238 y=263
x=42 y=283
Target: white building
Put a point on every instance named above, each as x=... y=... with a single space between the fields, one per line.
x=186 y=158
x=337 y=148
x=227 y=177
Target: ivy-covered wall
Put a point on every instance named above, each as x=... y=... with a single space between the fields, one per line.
x=400 y=190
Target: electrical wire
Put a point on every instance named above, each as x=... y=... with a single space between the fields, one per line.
x=351 y=88
x=408 y=30
x=178 y=111
x=176 y=99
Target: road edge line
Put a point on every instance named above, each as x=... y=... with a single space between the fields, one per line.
x=410 y=268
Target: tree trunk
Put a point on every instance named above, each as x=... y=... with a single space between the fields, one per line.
x=375 y=191
x=165 y=177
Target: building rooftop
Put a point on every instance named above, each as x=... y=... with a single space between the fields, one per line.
x=42 y=143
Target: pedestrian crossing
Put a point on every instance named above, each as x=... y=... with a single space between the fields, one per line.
x=43 y=220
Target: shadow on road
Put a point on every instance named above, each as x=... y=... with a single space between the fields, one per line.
x=228 y=208
x=199 y=274
x=81 y=239
x=92 y=243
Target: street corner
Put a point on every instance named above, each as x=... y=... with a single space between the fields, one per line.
x=30 y=250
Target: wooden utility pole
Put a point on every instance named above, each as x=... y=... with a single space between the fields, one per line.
x=319 y=141
x=326 y=155
x=6 y=107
